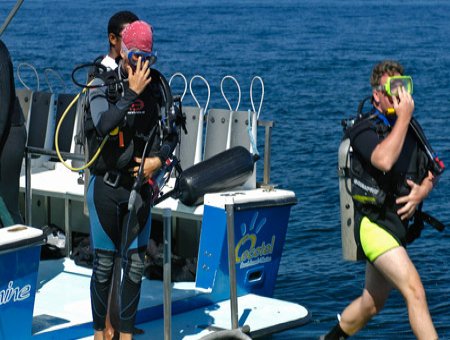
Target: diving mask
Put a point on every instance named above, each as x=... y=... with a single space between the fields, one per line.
x=395 y=82
x=133 y=57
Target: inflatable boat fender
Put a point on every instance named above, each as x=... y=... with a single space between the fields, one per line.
x=226 y=170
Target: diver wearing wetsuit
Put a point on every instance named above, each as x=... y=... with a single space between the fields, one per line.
x=13 y=137
x=131 y=120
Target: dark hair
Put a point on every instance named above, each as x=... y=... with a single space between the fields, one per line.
x=118 y=20
x=389 y=67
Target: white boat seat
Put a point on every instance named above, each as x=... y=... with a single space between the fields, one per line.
x=217 y=125
x=189 y=152
x=239 y=136
x=239 y=129
x=25 y=96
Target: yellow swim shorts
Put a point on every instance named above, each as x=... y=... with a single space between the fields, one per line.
x=375 y=241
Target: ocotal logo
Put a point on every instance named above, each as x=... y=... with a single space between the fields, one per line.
x=248 y=252
x=14 y=293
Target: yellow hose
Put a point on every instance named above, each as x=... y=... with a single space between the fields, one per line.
x=63 y=116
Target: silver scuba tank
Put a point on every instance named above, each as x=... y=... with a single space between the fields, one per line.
x=349 y=247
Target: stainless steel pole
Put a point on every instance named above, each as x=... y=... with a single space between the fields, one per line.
x=10 y=16
x=28 y=198
x=268 y=125
x=232 y=264
x=167 y=276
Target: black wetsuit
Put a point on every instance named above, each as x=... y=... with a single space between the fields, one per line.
x=114 y=228
x=13 y=137
x=412 y=164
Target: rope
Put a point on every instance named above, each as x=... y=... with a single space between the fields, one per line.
x=35 y=72
x=193 y=95
x=48 y=70
x=262 y=95
x=179 y=74
x=225 y=97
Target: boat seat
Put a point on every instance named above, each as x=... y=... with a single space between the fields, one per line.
x=217 y=127
x=41 y=121
x=239 y=129
x=66 y=131
x=239 y=136
x=25 y=97
x=189 y=151
x=226 y=129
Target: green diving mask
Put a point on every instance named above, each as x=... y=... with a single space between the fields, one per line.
x=394 y=83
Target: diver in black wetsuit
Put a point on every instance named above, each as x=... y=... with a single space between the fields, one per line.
x=13 y=137
x=130 y=116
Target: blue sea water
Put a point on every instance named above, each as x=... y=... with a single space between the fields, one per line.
x=315 y=57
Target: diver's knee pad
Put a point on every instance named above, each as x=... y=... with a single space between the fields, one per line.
x=103 y=266
x=134 y=266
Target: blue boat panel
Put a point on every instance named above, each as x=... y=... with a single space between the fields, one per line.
x=212 y=246
x=18 y=277
x=260 y=232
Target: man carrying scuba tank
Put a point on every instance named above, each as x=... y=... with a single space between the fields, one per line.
x=127 y=113
x=387 y=151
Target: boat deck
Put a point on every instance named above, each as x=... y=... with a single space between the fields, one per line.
x=62 y=308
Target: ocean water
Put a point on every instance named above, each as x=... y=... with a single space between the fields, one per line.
x=315 y=57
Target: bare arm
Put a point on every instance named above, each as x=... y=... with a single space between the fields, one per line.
x=417 y=194
x=387 y=152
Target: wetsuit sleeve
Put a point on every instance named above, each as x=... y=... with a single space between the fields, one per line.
x=106 y=115
x=364 y=139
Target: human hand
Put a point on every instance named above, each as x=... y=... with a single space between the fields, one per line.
x=403 y=104
x=417 y=194
x=151 y=164
x=139 y=78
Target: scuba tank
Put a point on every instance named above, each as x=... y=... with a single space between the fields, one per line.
x=347 y=207
x=349 y=247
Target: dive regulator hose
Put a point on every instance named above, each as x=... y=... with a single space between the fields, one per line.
x=58 y=127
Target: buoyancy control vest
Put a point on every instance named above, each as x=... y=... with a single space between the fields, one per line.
x=150 y=118
x=362 y=186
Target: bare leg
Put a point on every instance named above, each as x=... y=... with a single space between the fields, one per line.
x=126 y=336
x=109 y=330
x=98 y=335
x=372 y=300
x=397 y=267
